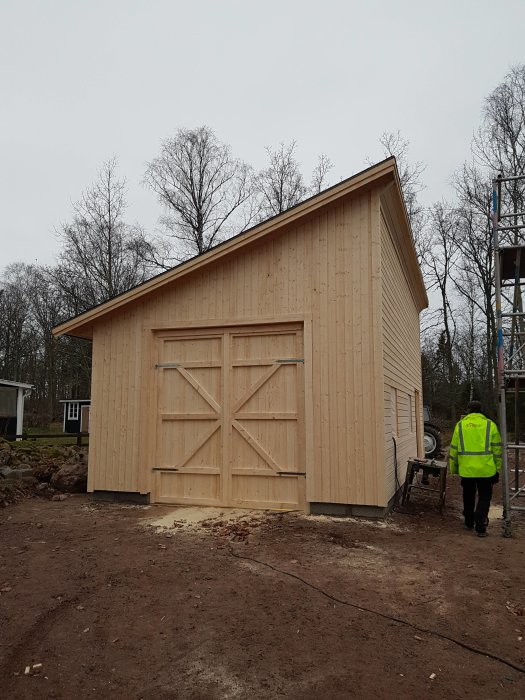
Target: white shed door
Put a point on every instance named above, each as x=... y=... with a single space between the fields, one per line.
x=231 y=418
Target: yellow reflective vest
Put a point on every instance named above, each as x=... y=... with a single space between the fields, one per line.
x=475 y=450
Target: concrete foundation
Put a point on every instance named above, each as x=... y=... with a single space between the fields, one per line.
x=121 y=497
x=350 y=510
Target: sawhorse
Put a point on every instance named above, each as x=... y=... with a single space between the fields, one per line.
x=427 y=467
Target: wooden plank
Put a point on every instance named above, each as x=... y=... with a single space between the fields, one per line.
x=210 y=327
x=323 y=361
x=198 y=444
x=188 y=470
x=226 y=456
x=124 y=389
x=187 y=416
x=151 y=353
x=256 y=445
x=314 y=271
x=110 y=427
x=94 y=461
x=255 y=387
x=199 y=389
x=330 y=363
x=173 y=487
x=341 y=485
x=238 y=471
x=367 y=379
x=290 y=271
x=135 y=393
x=300 y=430
x=309 y=429
x=197 y=470
x=188 y=365
x=254 y=363
x=349 y=368
x=102 y=398
x=267 y=416
x=377 y=369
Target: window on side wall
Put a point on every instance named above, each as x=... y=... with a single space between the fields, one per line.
x=394 y=411
x=72 y=411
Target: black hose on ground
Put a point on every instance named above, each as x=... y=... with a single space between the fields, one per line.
x=385 y=616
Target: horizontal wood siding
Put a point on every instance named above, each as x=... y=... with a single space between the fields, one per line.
x=325 y=270
x=402 y=362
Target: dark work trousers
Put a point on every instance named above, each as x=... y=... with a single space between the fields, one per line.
x=476 y=514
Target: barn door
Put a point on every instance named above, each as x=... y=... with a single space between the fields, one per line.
x=189 y=450
x=267 y=419
x=231 y=418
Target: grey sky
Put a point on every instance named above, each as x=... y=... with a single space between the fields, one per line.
x=83 y=80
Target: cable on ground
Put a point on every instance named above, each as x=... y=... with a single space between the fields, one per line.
x=385 y=616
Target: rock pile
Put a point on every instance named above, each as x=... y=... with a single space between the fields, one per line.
x=40 y=470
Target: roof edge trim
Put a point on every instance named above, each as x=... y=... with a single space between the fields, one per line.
x=365 y=177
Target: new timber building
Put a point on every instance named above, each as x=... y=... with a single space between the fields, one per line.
x=281 y=369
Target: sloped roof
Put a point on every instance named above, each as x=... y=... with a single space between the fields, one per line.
x=385 y=171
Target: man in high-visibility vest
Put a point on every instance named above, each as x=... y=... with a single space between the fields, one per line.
x=475 y=454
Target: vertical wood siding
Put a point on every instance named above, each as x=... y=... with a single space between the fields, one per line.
x=117 y=415
x=326 y=270
x=402 y=361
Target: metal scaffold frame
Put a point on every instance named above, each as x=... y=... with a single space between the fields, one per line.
x=508 y=227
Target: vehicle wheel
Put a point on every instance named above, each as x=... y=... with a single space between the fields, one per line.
x=432 y=440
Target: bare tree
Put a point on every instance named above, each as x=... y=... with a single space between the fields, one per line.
x=500 y=140
x=206 y=192
x=409 y=173
x=281 y=185
x=63 y=367
x=439 y=259
x=499 y=145
x=320 y=174
x=474 y=279
x=470 y=345
x=17 y=342
x=102 y=256
x=57 y=367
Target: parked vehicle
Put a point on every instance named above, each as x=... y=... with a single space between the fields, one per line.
x=432 y=435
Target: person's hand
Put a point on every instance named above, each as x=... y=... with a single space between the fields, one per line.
x=495 y=478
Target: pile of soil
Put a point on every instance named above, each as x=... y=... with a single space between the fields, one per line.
x=48 y=471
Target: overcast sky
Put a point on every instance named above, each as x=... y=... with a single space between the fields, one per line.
x=84 y=80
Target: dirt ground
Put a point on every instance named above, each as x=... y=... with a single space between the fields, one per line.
x=265 y=606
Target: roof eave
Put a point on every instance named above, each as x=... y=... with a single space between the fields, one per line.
x=17 y=385
x=409 y=249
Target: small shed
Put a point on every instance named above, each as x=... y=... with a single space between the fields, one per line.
x=281 y=369
x=12 y=395
x=76 y=415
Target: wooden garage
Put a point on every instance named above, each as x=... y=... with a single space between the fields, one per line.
x=279 y=370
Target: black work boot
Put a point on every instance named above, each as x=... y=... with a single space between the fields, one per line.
x=481 y=529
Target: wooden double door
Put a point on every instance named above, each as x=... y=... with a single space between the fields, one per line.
x=230 y=417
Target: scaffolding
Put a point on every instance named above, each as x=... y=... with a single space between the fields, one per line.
x=508 y=227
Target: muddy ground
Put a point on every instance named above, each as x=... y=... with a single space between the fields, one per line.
x=264 y=607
